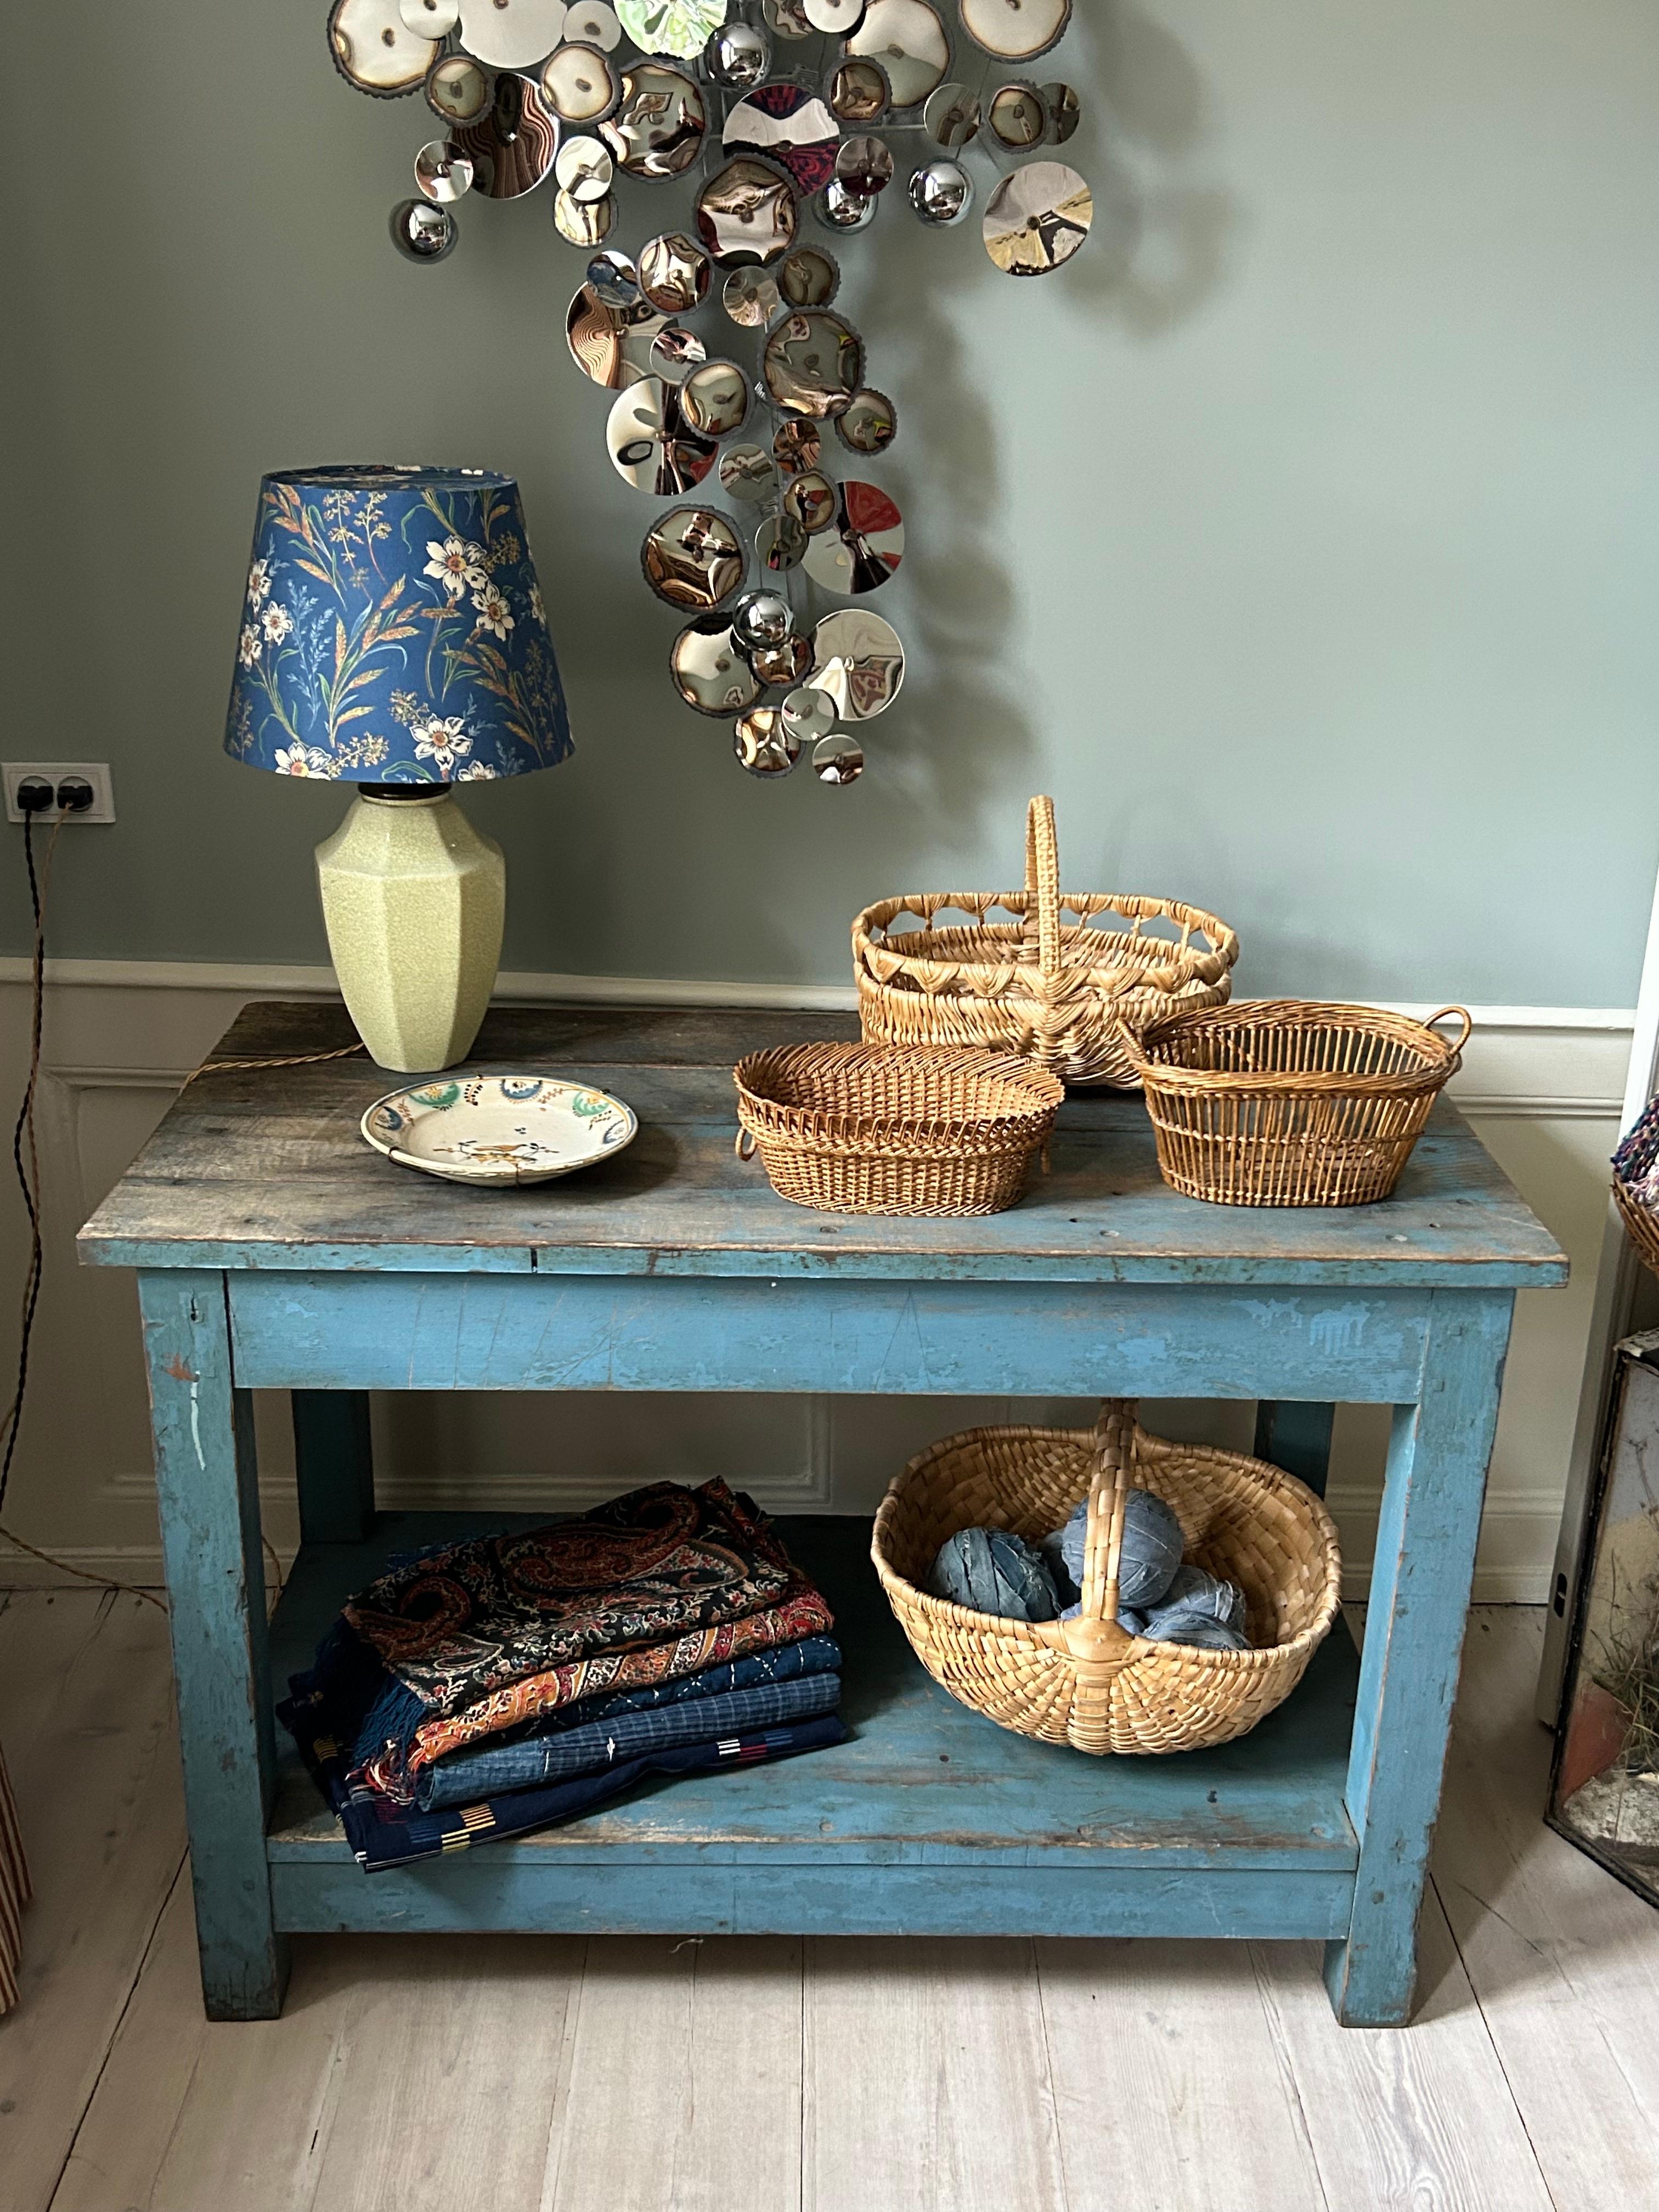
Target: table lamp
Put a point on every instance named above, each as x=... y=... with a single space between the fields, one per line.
x=393 y=637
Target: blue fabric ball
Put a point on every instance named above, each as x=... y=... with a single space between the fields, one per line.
x=1194 y=1591
x=1066 y=1590
x=1151 y=1550
x=1176 y=1624
x=1127 y=1617
x=989 y=1570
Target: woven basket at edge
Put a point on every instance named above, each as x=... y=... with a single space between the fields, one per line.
x=1643 y=1228
x=1279 y=1103
x=1057 y=994
x=1087 y=1682
x=858 y=1128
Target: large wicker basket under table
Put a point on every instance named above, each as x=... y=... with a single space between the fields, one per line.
x=1279 y=1103
x=1057 y=993
x=858 y=1128
x=1087 y=1682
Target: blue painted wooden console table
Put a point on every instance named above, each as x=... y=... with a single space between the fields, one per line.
x=275 y=1250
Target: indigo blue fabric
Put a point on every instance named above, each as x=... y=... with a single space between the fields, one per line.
x=1194 y=1591
x=1150 y=1553
x=784 y=1662
x=1176 y=1624
x=488 y=1772
x=392 y=631
x=990 y=1570
x=382 y=1834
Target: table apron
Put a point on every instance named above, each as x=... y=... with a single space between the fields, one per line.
x=443 y=1331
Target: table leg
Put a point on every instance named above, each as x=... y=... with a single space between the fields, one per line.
x=1438 y=1449
x=1295 y=1433
x=334 y=1461
x=209 y=1508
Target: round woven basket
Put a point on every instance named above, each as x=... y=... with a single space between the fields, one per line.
x=1279 y=1103
x=858 y=1128
x=1642 y=1227
x=1087 y=1682
x=1058 y=992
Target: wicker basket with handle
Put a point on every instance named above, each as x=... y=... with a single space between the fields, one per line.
x=1633 y=1180
x=1279 y=1102
x=1057 y=991
x=858 y=1128
x=1088 y=1682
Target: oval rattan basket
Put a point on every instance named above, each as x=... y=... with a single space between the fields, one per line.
x=1058 y=992
x=860 y=1129
x=1087 y=1682
x=1280 y=1102
x=1632 y=1168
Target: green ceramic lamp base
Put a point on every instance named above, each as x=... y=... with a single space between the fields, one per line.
x=414 y=898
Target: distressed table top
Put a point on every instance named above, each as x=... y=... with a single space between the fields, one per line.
x=266 y=1169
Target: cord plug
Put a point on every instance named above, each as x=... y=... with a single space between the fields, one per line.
x=75 y=795
x=36 y=796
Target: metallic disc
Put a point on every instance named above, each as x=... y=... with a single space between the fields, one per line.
x=657 y=130
x=430 y=19
x=836 y=19
x=710 y=673
x=864 y=166
x=746 y=214
x=613 y=279
x=751 y=298
x=593 y=23
x=807 y=714
x=674 y=272
x=1015 y=30
x=797 y=447
x=423 y=232
x=737 y=57
x=457 y=90
x=859 y=93
x=676 y=352
x=1036 y=218
x=813 y=364
x=376 y=49
x=680 y=28
x=513 y=149
x=809 y=278
x=693 y=558
x=838 y=759
x=511 y=34
x=870 y=424
x=442 y=172
x=908 y=39
x=747 y=473
x=940 y=192
x=951 y=116
x=810 y=498
x=1060 y=104
x=837 y=209
x=781 y=544
x=785 y=663
x=610 y=345
x=865 y=544
x=1016 y=115
x=583 y=222
x=762 y=618
x=791 y=126
x=714 y=398
x=785 y=20
x=858 y=659
x=580 y=84
x=584 y=168
x=762 y=744
x=650 y=444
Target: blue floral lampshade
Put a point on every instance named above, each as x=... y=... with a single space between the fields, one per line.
x=394 y=631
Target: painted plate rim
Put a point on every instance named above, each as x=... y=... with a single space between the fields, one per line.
x=510 y=1178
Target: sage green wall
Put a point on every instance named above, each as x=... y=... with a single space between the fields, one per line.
x=1300 y=538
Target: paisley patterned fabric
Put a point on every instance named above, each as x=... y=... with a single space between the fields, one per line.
x=459 y=1625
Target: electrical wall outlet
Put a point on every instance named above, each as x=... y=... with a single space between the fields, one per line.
x=96 y=773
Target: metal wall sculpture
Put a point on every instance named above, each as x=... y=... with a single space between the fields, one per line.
x=764 y=112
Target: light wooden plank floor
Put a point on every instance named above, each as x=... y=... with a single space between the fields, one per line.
x=552 y=2074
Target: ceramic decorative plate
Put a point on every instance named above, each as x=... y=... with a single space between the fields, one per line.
x=499 y=1129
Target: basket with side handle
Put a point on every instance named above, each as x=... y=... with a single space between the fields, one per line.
x=1087 y=1681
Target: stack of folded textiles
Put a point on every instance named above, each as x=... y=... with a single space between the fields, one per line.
x=502 y=1685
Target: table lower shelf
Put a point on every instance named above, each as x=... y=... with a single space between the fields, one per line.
x=930 y=1821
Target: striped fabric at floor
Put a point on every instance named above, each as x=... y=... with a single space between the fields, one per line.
x=13 y=1891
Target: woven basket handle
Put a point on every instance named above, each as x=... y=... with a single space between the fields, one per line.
x=1446 y=1014
x=1108 y=1492
x=1042 y=881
